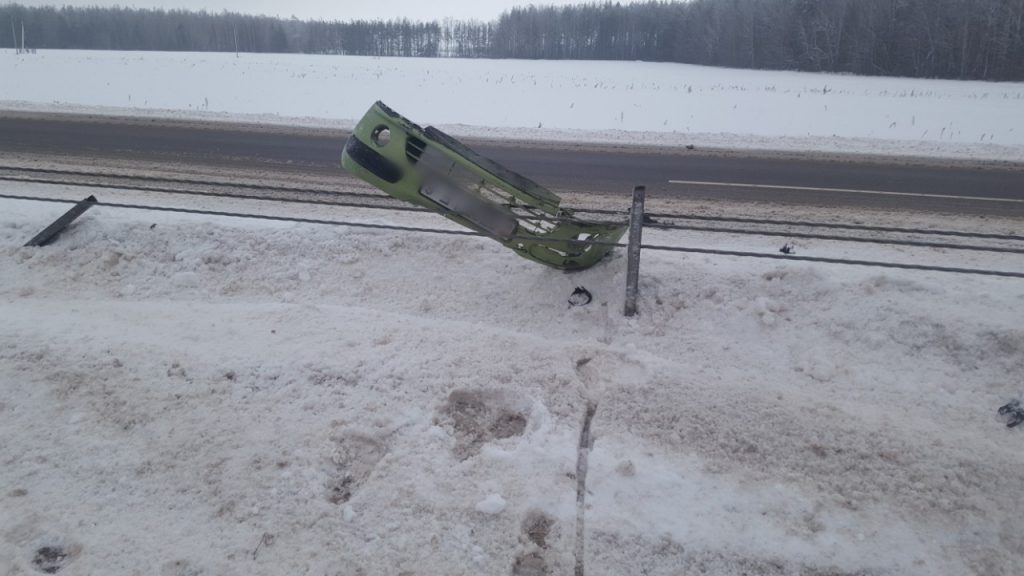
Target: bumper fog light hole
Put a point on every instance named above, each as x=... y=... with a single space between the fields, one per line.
x=381 y=136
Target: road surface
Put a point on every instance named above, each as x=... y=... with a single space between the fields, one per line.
x=956 y=187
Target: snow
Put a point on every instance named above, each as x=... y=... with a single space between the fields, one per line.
x=492 y=504
x=628 y=103
x=224 y=396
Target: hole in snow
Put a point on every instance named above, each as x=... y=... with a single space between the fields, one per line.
x=480 y=416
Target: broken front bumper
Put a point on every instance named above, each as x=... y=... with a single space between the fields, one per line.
x=428 y=168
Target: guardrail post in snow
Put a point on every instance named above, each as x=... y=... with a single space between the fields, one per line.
x=53 y=230
x=636 y=226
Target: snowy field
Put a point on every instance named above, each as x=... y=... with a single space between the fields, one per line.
x=185 y=395
x=618 y=102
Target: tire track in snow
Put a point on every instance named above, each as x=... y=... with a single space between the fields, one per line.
x=585 y=446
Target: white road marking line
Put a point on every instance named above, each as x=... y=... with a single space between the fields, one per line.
x=844 y=191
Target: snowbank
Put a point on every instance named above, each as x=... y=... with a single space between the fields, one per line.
x=625 y=102
x=189 y=395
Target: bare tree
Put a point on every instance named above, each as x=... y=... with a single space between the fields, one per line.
x=927 y=38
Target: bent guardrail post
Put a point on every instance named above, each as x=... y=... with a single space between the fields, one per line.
x=430 y=169
x=50 y=233
x=636 y=228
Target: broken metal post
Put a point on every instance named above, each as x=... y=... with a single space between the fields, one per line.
x=636 y=226
x=53 y=230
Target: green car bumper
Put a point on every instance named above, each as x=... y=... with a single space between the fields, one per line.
x=428 y=168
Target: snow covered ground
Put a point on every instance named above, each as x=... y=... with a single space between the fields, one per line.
x=623 y=102
x=185 y=395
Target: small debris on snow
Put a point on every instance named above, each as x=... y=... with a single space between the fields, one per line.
x=50 y=559
x=176 y=370
x=1013 y=413
x=266 y=539
x=580 y=297
x=788 y=249
x=492 y=504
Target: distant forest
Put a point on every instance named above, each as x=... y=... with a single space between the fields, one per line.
x=976 y=39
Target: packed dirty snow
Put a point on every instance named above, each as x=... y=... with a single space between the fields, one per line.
x=186 y=395
x=622 y=102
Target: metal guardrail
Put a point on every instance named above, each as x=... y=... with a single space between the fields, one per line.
x=634 y=247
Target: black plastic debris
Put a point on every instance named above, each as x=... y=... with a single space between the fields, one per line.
x=580 y=297
x=54 y=230
x=788 y=249
x=50 y=559
x=1013 y=413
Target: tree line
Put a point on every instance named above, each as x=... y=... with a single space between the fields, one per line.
x=970 y=39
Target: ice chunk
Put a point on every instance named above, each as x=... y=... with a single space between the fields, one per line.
x=492 y=504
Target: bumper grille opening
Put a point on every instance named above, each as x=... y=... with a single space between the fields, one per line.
x=414 y=148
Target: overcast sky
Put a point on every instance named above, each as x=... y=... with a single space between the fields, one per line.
x=330 y=9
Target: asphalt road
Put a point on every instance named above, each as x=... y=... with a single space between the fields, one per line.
x=877 y=183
